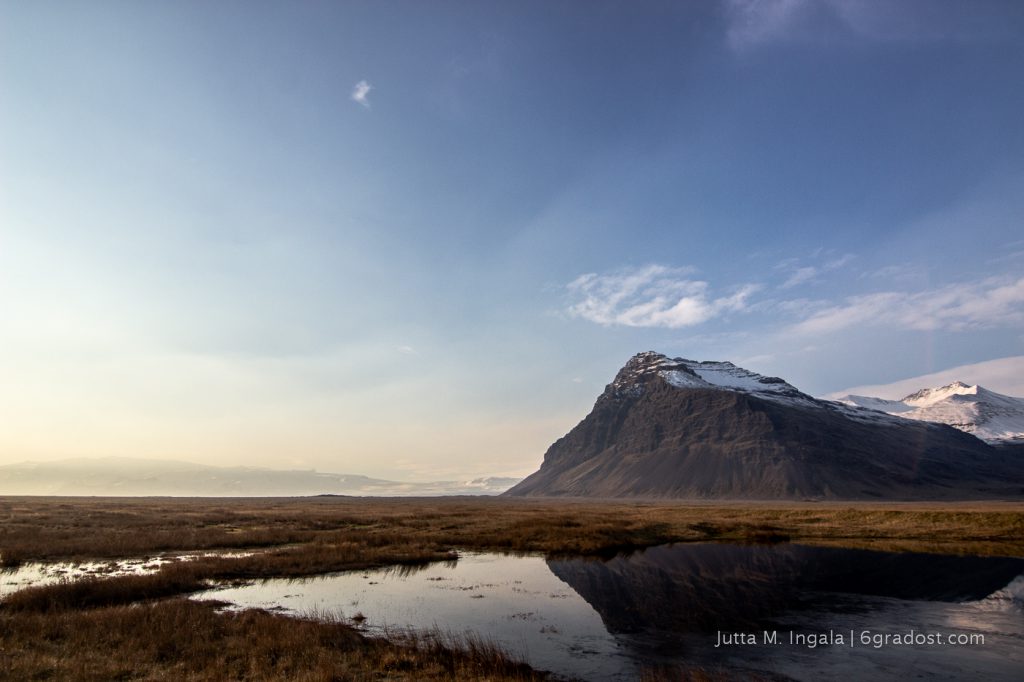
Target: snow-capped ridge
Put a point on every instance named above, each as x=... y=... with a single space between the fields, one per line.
x=708 y=374
x=991 y=416
x=988 y=415
x=930 y=396
x=879 y=404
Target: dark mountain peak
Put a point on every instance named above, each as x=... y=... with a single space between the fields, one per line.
x=720 y=375
x=642 y=368
x=671 y=427
x=646 y=357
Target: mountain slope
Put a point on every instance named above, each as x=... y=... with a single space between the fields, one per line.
x=674 y=428
x=991 y=416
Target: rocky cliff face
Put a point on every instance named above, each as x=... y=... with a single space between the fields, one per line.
x=674 y=428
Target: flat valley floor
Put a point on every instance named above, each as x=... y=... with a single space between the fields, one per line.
x=116 y=624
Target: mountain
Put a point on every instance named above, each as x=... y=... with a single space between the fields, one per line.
x=1004 y=375
x=122 y=476
x=675 y=428
x=991 y=416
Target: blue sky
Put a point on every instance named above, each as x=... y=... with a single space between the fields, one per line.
x=415 y=240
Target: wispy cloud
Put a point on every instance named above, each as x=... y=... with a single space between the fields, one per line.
x=801 y=274
x=901 y=272
x=1006 y=257
x=650 y=296
x=758 y=23
x=361 y=93
x=993 y=302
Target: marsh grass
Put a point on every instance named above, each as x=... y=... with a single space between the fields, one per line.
x=46 y=529
x=183 y=640
x=677 y=673
x=482 y=655
x=135 y=626
x=93 y=592
x=315 y=536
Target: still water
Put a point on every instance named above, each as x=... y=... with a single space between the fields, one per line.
x=781 y=611
x=34 y=574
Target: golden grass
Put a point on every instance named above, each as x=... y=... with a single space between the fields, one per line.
x=45 y=529
x=86 y=630
x=183 y=640
x=677 y=673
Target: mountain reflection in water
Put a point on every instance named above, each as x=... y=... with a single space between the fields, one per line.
x=666 y=606
x=708 y=587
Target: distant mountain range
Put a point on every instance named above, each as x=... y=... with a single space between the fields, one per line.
x=118 y=476
x=676 y=428
x=991 y=416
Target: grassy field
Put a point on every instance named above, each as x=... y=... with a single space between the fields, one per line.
x=139 y=627
x=44 y=529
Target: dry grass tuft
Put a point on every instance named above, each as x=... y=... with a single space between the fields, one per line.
x=183 y=640
x=675 y=673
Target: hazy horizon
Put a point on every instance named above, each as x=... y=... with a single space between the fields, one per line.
x=131 y=477
x=414 y=241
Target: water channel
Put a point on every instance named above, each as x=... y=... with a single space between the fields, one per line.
x=782 y=611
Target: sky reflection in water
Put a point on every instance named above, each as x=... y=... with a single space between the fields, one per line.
x=603 y=620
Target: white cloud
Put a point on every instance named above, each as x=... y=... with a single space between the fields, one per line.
x=902 y=272
x=799 y=276
x=808 y=273
x=994 y=302
x=650 y=296
x=839 y=262
x=1005 y=375
x=361 y=93
x=407 y=350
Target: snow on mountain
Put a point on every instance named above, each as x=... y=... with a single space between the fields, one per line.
x=988 y=415
x=930 y=396
x=683 y=373
x=991 y=416
x=879 y=404
x=1004 y=375
x=683 y=429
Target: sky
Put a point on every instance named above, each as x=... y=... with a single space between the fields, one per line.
x=415 y=240
x=1003 y=375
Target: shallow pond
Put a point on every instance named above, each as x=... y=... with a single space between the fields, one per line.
x=515 y=601
x=33 y=574
x=786 y=610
